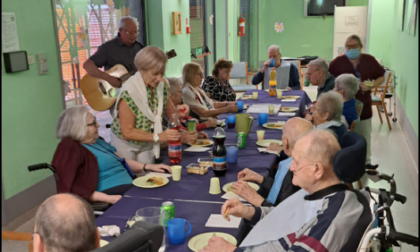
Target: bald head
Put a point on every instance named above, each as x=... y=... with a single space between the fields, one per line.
x=65 y=222
x=293 y=129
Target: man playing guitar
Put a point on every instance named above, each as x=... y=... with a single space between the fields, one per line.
x=119 y=50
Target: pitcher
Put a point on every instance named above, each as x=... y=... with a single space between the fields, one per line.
x=243 y=123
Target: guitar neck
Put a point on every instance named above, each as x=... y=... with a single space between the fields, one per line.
x=128 y=75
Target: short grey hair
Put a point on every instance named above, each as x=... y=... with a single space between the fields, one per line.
x=72 y=123
x=320 y=64
x=349 y=84
x=151 y=58
x=331 y=103
x=64 y=232
x=274 y=47
x=123 y=22
x=323 y=147
x=174 y=82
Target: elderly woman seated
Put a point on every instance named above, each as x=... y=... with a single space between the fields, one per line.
x=327 y=114
x=89 y=167
x=217 y=86
x=201 y=105
x=175 y=96
x=347 y=85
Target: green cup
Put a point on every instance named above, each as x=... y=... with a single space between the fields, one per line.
x=243 y=123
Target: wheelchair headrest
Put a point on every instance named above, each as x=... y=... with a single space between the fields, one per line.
x=349 y=162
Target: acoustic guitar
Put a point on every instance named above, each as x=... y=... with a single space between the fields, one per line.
x=99 y=94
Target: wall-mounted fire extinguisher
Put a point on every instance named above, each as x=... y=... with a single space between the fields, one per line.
x=187 y=27
x=241 y=28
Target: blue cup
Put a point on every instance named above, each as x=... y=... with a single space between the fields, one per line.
x=176 y=230
x=231 y=154
x=230 y=121
x=271 y=63
x=262 y=118
x=240 y=105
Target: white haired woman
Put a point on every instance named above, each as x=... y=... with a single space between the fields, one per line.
x=137 y=125
x=201 y=105
x=88 y=166
x=347 y=85
x=327 y=114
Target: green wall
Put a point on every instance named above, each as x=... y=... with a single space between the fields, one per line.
x=301 y=36
x=160 y=31
x=399 y=51
x=31 y=103
x=220 y=22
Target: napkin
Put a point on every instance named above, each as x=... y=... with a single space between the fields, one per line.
x=197 y=149
x=160 y=174
x=111 y=230
x=232 y=196
x=264 y=150
x=288 y=100
x=217 y=220
x=287 y=113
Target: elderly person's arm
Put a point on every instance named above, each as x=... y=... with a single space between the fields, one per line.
x=214 y=112
x=258 y=78
x=294 y=77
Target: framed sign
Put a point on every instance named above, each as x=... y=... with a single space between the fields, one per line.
x=176 y=22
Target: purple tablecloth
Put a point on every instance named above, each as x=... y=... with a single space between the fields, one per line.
x=196 y=213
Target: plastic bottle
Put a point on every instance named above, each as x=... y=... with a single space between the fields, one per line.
x=272 y=83
x=219 y=152
x=174 y=147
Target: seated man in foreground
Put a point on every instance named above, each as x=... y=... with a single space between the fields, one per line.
x=65 y=222
x=278 y=189
x=331 y=218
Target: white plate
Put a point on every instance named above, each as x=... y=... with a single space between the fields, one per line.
x=200 y=241
x=290 y=97
x=266 y=142
x=288 y=109
x=208 y=141
x=273 y=126
x=283 y=90
x=141 y=181
x=226 y=187
x=103 y=243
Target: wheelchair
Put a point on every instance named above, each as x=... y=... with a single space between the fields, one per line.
x=98 y=207
x=381 y=236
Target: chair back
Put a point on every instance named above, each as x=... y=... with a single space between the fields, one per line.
x=238 y=70
x=142 y=237
x=384 y=86
x=349 y=162
x=359 y=107
x=354 y=125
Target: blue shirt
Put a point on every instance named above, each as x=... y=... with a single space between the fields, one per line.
x=111 y=172
x=278 y=180
x=349 y=111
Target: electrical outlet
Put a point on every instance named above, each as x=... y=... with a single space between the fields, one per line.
x=31 y=59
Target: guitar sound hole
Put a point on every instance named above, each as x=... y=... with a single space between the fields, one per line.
x=101 y=86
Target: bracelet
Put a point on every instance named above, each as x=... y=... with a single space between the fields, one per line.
x=144 y=167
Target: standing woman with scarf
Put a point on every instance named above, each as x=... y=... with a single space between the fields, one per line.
x=202 y=106
x=140 y=105
x=366 y=68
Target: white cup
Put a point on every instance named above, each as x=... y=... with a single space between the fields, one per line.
x=279 y=94
x=255 y=95
x=214 y=186
x=176 y=172
x=260 y=135
x=270 y=109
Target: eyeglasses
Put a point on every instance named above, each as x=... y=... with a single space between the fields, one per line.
x=309 y=74
x=300 y=168
x=131 y=33
x=200 y=74
x=94 y=122
x=354 y=46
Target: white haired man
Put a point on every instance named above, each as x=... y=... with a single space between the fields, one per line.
x=287 y=73
x=318 y=75
x=327 y=217
x=119 y=50
x=347 y=85
x=65 y=222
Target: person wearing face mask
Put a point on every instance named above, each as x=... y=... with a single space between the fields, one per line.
x=366 y=68
x=136 y=130
x=287 y=74
x=217 y=86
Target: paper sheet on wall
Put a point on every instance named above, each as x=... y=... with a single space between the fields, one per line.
x=10 y=40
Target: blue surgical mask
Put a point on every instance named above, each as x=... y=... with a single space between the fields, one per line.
x=352 y=53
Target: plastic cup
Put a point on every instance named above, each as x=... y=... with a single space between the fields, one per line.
x=231 y=154
x=240 y=105
x=262 y=118
x=255 y=95
x=260 y=135
x=176 y=230
x=176 y=172
x=214 y=186
x=230 y=121
x=271 y=63
x=270 y=109
x=279 y=94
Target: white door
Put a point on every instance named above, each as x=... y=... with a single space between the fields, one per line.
x=348 y=20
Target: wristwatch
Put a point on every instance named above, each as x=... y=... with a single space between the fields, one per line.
x=155 y=138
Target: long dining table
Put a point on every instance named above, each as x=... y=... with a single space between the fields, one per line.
x=190 y=195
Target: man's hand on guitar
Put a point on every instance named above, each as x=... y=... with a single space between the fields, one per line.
x=115 y=82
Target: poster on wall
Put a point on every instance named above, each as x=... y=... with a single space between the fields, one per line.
x=413 y=18
x=10 y=40
x=341 y=50
x=400 y=14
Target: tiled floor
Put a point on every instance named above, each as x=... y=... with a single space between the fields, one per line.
x=389 y=150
